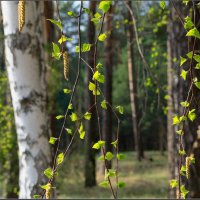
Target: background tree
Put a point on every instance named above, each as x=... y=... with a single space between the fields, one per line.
x=90 y=165
x=178 y=84
x=170 y=129
x=133 y=87
x=108 y=85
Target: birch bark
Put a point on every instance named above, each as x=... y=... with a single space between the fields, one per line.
x=26 y=74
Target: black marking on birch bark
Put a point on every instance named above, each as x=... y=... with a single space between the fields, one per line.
x=41 y=163
x=44 y=131
x=20 y=41
x=34 y=98
x=29 y=24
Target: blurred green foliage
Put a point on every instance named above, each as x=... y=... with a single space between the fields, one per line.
x=8 y=142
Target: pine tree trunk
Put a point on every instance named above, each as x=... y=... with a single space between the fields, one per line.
x=179 y=45
x=170 y=129
x=90 y=164
x=108 y=65
x=133 y=90
x=193 y=142
x=26 y=73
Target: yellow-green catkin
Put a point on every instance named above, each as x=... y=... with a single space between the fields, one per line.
x=48 y=191
x=187 y=166
x=66 y=65
x=21 y=14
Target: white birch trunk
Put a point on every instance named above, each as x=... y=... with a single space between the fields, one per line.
x=26 y=73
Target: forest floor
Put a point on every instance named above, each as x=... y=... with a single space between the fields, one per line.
x=146 y=179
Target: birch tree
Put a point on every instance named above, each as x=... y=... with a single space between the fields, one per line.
x=26 y=74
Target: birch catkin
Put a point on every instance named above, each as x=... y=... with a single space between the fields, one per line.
x=48 y=191
x=21 y=14
x=66 y=65
x=187 y=166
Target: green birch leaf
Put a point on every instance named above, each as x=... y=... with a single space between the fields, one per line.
x=186 y=2
x=91 y=86
x=197 y=66
x=52 y=140
x=87 y=115
x=46 y=187
x=82 y=135
x=60 y=117
x=180 y=132
x=110 y=173
x=173 y=183
x=185 y=104
x=64 y=39
x=48 y=172
x=193 y=33
x=184 y=191
x=114 y=143
x=99 y=77
x=70 y=106
x=56 y=22
x=183 y=60
x=85 y=48
x=197 y=84
x=69 y=131
x=104 y=104
x=56 y=51
x=162 y=5
x=182 y=152
x=109 y=156
x=60 y=158
x=101 y=158
x=192 y=115
x=105 y=5
x=197 y=58
x=183 y=170
x=121 y=185
x=102 y=37
x=66 y=91
x=104 y=184
x=120 y=109
x=37 y=196
x=183 y=74
x=81 y=132
x=189 y=55
x=176 y=120
x=120 y=156
x=101 y=143
x=96 y=146
x=96 y=92
x=188 y=24
x=99 y=65
x=71 y=14
x=74 y=117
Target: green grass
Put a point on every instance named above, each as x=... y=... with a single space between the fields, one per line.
x=146 y=179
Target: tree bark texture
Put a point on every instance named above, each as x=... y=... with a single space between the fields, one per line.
x=179 y=45
x=90 y=164
x=133 y=89
x=108 y=65
x=26 y=73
